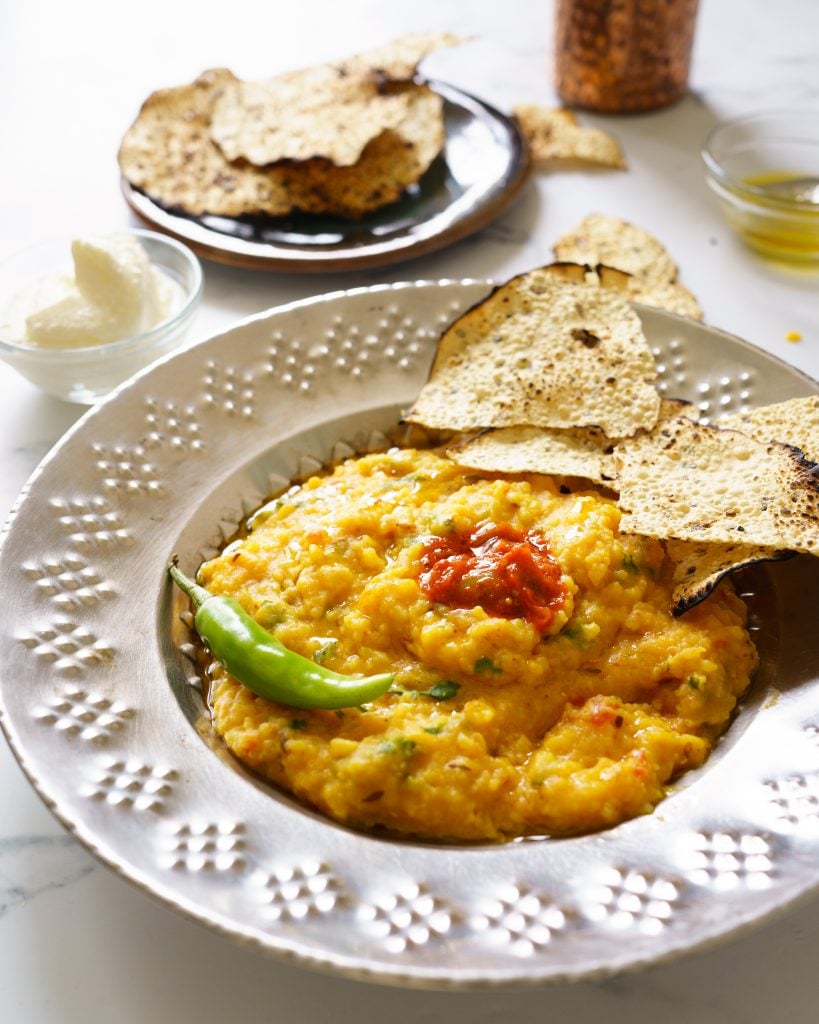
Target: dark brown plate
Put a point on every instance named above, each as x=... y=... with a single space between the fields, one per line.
x=481 y=171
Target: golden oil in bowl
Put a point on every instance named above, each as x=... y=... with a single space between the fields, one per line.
x=763 y=215
x=776 y=211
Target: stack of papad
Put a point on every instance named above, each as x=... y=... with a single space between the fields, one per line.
x=341 y=139
x=720 y=498
x=616 y=243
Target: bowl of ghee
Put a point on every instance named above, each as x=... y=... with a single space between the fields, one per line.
x=764 y=170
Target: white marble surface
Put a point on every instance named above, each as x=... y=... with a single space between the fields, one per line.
x=78 y=944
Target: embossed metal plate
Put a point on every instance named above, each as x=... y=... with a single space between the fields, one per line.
x=102 y=706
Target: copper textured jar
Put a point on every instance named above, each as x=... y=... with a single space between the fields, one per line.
x=621 y=56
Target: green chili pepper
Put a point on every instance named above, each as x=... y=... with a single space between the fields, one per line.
x=264 y=665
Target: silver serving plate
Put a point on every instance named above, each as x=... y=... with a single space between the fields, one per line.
x=104 y=709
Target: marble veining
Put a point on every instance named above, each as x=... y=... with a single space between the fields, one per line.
x=32 y=865
x=50 y=887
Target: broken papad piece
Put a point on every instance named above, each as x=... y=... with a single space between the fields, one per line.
x=329 y=110
x=555 y=136
x=794 y=422
x=688 y=481
x=317 y=112
x=546 y=352
x=168 y=154
x=699 y=567
x=398 y=60
x=576 y=451
x=616 y=243
x=673 y=298
x=602 y=239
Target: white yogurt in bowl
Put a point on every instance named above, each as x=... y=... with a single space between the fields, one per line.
x=112 y=292
x=77 y=318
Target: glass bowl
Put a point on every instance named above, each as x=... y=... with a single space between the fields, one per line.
x=764 y=170
x=87 y=374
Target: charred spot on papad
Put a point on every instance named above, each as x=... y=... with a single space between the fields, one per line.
x=606 y=277
x=689 y=481
x=700 y=567
x=566 y=271
x=794 y=422
x=519 y=358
